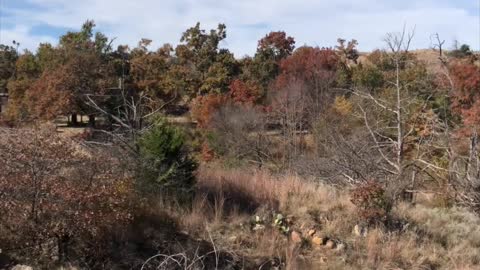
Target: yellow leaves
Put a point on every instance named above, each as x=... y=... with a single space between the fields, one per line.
x=342 y=106
x=124 y=187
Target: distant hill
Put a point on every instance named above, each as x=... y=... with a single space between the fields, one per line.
x=428 y=56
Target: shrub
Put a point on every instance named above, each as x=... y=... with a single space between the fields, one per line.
x=461 y=52
x=204 y=107
x=165 y=163
x=70 y=194
x=247 y=93
x=368 y=76
x=372 y=202
x=207 y=153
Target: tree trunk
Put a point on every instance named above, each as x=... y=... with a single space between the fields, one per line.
x=407 y=194
x=472 y=164
x=74 y=120
x=62 y=245
x=91 y=120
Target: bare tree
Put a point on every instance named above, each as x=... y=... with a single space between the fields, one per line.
x=438 y=45
x=463 y=169
x=241 y=133
x=290 y=110
x=387 y=116
x=129 y=117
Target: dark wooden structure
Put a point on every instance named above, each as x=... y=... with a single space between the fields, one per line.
x=3 y=102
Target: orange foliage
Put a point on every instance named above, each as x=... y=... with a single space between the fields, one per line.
x=204 y=107
x=245 y=93
x=466 y=94
x=49 y=96
x=308 y=64
x=278 y=42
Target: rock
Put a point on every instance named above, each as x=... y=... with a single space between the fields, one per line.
x=184 y=233
x=330 y=244
x=296 y=237
x=340 y=247
x=311 y=232
x=258 y=227
x=22 y=267
x=360 y=230
x=316 y=240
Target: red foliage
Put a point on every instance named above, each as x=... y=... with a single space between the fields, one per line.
x=67 y=191
x=281 y=45
x=372 y=202
x=244 y=93
x=466 y=94
x=204 y=107
x=308 y=64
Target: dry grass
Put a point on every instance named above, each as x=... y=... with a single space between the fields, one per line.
x=427 y=56
x=228 y=200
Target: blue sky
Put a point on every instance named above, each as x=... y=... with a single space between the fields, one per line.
x=311 y=22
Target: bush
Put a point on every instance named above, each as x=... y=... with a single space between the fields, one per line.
x=166 y=166
x=71 y=194
x=204 y=107
x=372 y=201
x=369 y=77
x=238 y=134
x=461 y=52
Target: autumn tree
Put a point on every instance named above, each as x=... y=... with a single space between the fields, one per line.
x=8 y=58
x=53 y=189
x=149 y=72
x=246 y=93
x=220 y=73
x=210 y=68
x=202 y=47
x=49 y=96
x=315 y=69
x=347 y=54
x=29 y=68
x=77 y=68
x=276 y=44
x=204 y=107
x=465 y=104
x=49 y=57
x=264 y=67
x=400 y=114
x=27 y=72
x=466 y=96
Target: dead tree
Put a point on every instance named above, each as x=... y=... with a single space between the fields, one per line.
x=389 y=138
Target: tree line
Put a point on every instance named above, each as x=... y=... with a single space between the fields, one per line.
x=381 y=120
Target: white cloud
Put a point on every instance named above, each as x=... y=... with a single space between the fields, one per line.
x=313 y=22
x=21 y=34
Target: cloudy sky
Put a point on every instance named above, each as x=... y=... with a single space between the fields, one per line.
x=312 y=22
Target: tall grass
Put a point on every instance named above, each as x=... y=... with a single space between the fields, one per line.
x=227 y=200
